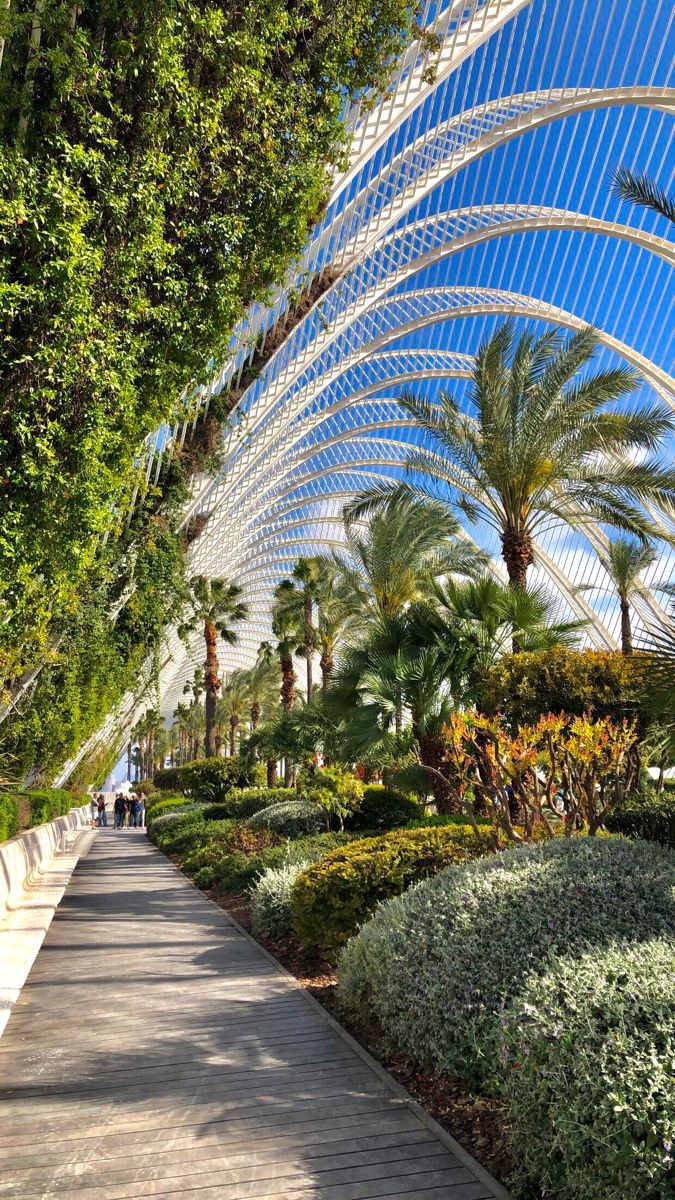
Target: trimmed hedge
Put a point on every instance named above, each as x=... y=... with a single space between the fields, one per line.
x=209 y=779
x=438 y=964
x=384 y=808
x=292 y=819
x=9 y=816
x=336 y=895
x=214 y=865
x=649 y=816
x=24 y=809
x=246 y=802
x=587 y=1058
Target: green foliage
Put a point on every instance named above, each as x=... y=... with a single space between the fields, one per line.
x=208 y=779
x=336 y=895
x=235 y=871
x=648 y=815
x=600 y=682
x=170 y=804
x=178 y=832
x=246 y=802
x=335 y=790
x=292 y=818
x=587 y=1063
x=437 y=820
x=272 y=898
x=438 y=965
x=9 y=815
x=383 y=808
x=26 y=809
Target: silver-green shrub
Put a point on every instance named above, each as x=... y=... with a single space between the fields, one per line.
x=292 y=818
x=167 y=819
x=588 y=1058
x=439 y=964
x=271 y=908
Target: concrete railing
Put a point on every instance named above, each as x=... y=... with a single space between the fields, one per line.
x=35 y=867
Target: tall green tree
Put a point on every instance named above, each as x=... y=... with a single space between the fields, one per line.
x=624 y=562
x=235 y=702
x=543 y=441
x=217 y=607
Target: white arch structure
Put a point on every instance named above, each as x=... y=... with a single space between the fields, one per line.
x=470 y=194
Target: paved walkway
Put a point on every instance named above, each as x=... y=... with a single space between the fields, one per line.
x=156 y=1051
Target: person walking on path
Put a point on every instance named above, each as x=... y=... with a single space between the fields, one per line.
x=94 y=809
x=102 y=817
x=137 y=811
x=142 y=799
x=118 y=810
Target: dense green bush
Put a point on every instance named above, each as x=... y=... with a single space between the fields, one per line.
x=210 y=779
x=292 y=818
x=179 y=832
x=383 y=808
x=9 y=815
x=246 y=802
x=587 y=1057
x=523 y=687
x=215 y=864
x=166 y=804
x=336 y=895
x=438 y=820
x=438 y=965
x=272 y=898
x=646 y=815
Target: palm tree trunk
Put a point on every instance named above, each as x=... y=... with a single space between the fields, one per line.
x=517 y=554
x=287 y=682
x=432 y=754
x=398 y=719
x=626 y=631
x=271 y=772
x=309 y=641
x=326 y=671
x=212 y=684
x=255 y=715
x=129 y=751
x=234 y=721
x=288 y=772
x=219 y=743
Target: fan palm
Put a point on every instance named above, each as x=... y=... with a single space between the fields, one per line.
x=543 y=445
x=391 y=562
x=624 y=562
x=334 y=604
x=216 y=606
x=299 y=596
x=235 y=703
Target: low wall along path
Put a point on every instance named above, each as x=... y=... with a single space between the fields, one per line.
x=156 y=1050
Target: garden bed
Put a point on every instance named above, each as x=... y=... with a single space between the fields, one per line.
x=478 y=1123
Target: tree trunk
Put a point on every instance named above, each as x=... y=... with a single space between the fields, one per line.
x=326 y=671
x=287 y=682
x=626 y=631
x=219 y=743
x=309 y=641
x=129 y=752
x=398 y=718
x=271 y=772
x=288 y=772
x=234 y=721
x=212 y=686
x=517 y=553
x=432 y=754
x=255 y=715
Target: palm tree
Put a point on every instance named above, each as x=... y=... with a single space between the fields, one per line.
x=216 y=606
x=307 y=572
x=334 y=607
x=263 y=685
x=643 y=191
x=235 y=702
x=624 y=562
x=407 y=543
x=181 y=716
x=288 y=631
x=542 y=446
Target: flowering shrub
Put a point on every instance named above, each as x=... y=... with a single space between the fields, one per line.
x=293 y=818
x=271 y=898
x=438 y=964
x=587 y=1058
x=336 y=895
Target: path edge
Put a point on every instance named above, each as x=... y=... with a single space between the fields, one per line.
x=397 y=1089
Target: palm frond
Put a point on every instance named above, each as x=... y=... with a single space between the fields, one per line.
x=642 y=191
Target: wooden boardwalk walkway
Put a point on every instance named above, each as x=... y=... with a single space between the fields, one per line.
x=156 y=1051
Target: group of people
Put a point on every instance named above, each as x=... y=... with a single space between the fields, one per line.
x=128 y=810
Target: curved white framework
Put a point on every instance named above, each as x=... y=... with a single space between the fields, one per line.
x=495 y=173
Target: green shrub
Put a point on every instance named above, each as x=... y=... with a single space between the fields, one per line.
x=179 y=832
x=210 y=779
x=169 y=804
x=588 y=1054
x=646 y=815
x=235 y=872
x=525 y=686
x=384 y=808
x=438 y=964
x=9 y=816
x=335 y=790
x=438 y=820
x=272 y=898
x=246 y=802
x=293 y=818
x=340 y=892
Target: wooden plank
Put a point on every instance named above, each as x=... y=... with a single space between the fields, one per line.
x=156 y=1051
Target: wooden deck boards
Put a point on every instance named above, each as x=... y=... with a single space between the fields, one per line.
x=155 y=1051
